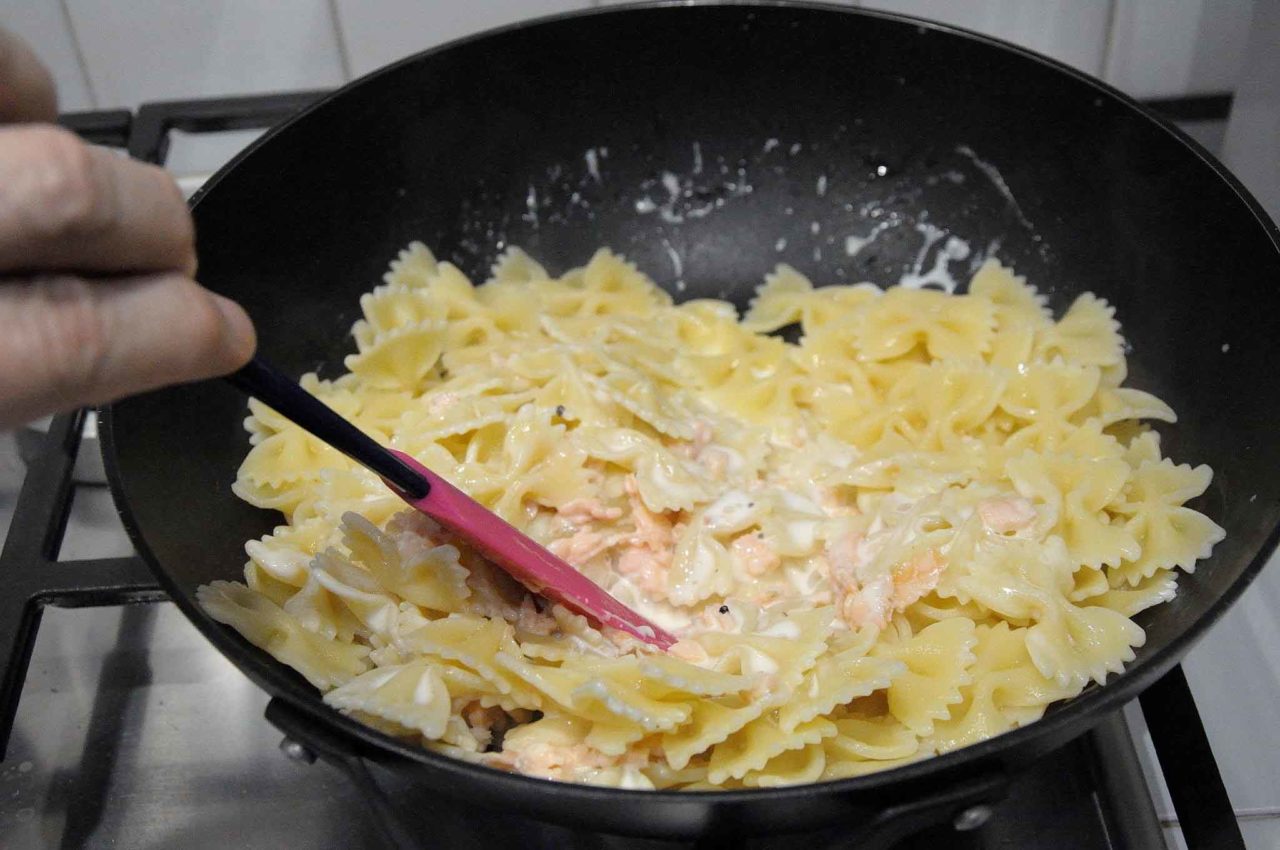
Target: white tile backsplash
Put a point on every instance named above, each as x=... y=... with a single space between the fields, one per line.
x=1261 y=833
x=376 y=32
x=43 y=24
x=1251 y=148
x=165 y=49
x=1169 y=48
x=106 y=53
x=1234 y=673
x=1073 y=31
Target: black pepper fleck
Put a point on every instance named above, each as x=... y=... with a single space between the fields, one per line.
x=724 y=609
x=560 y=410
x=750 y=505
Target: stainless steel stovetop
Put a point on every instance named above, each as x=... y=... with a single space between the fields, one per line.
x=133 y=732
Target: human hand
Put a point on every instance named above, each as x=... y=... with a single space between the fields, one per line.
x=97 y=257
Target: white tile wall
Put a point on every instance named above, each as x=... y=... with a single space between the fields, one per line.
x=1074 y=31
x=163 y=49
x=1259 y=834
x=1234 y=673
x=1166 y=48
x=107 y=53
x=375 y=32
x=1251 y=148
x=43 y=24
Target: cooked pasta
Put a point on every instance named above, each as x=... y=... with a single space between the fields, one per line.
x=914 y=529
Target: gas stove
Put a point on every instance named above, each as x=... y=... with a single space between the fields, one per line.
x=125 y=728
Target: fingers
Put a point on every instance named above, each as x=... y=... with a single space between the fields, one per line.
x=70 y=342
x=27 y=92
x=68 y=206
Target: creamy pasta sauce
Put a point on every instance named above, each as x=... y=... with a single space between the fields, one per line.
x=916 y=528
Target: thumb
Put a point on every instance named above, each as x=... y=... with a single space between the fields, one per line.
x=70 y=342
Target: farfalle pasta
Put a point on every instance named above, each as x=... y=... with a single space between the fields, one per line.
x=914 y=529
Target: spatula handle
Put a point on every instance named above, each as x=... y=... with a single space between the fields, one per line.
x=275 y=389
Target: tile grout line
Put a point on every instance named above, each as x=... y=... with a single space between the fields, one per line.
x=1108 y=42
x=1269 y=813
x=340 y=36
x=69 y=22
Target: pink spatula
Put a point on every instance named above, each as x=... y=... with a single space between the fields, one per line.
x=520 y=556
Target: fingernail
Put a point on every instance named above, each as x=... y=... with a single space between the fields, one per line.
x=243 y=337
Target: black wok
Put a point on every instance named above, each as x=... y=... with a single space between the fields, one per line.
x=555 y=136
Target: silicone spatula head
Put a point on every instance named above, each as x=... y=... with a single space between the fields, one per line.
x=523 y=558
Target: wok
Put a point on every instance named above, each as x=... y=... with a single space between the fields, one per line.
x=709 y=143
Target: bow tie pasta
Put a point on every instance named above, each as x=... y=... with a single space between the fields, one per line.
x=914 y=529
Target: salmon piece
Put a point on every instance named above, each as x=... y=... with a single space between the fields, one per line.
x=689 y=650
x=585 y=511
x=585 y=542
x=756 y=556
x=843 y=557
x=702 y=434
x=872 y=600
x=582 y=546
x=646 y=558
x=716 y=462
x=1006 y=516
x=869 y=605
x=652 y=530
x=551 y=761
x=646 y=569
x=915 y=578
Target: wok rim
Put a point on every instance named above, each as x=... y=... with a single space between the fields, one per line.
x=1067 y=720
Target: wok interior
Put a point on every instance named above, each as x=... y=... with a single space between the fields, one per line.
x=789 y=129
